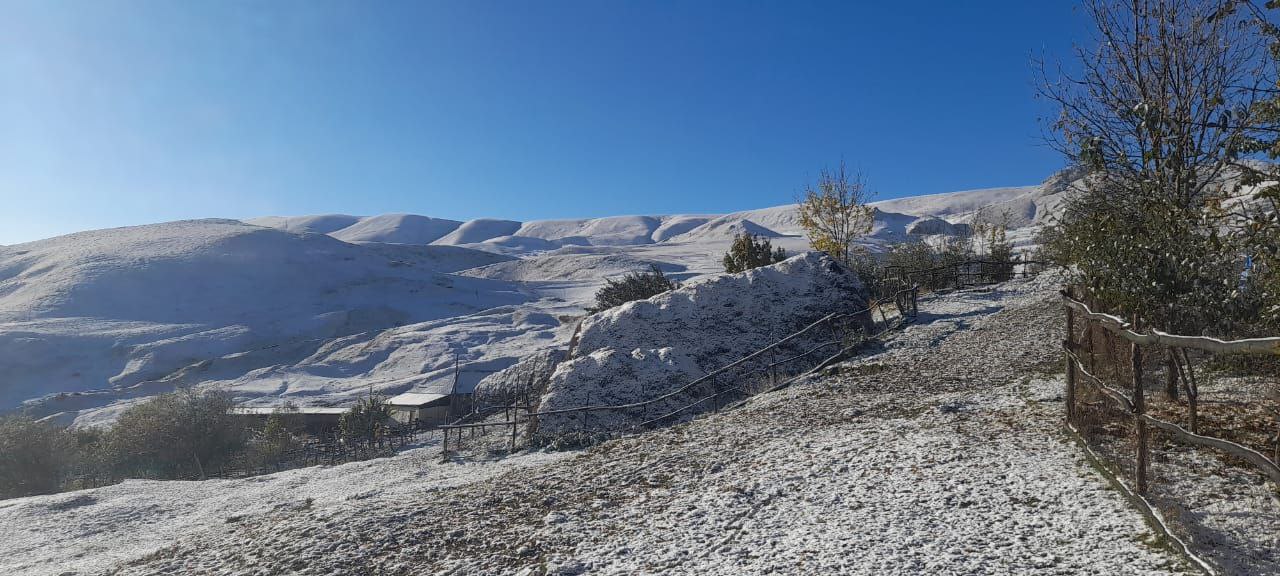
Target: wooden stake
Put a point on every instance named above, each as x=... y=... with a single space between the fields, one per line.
x=1071 y=368
x=1140 y=425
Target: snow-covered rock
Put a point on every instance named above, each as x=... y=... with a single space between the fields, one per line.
x=643 y=349
x=525 y=378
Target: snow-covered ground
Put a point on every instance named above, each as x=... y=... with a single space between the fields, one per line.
x=88 y=531
x=939 y=452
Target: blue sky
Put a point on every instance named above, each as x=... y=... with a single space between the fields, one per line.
x=118 y=113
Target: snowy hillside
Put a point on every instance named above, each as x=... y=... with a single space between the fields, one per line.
x=1026 y=208
x=102 y=312
x=313 y=309
x=397 y=229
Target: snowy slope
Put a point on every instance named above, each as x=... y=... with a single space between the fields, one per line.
x=318 y=224
x=953 y=203
x=676 y=225
x=476 y=231
x=557 y=267
x=724 y=228
x=111 y=309
x=397 y=229
x=614 y=231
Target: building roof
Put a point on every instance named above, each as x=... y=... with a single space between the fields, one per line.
x=274 y=409
x=416 y=399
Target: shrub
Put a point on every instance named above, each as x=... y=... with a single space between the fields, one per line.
x=749 y=251
x=179 y=435
x=637 y=285
x=34 y=456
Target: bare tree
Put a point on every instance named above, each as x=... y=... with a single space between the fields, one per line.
x=834 y=212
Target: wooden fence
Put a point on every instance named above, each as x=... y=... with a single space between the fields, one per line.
x=829 y=338
x=898 y=290
x=1114 y=359
x=966 y=273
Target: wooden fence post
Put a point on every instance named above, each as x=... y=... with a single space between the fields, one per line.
x=1140 y=426
x=1068 y=350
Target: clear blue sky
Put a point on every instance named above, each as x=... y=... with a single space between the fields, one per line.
x=116 y=113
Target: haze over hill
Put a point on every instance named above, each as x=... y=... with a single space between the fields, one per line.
x=318 y=309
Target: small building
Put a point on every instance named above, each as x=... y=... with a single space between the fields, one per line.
x=313 y=418
x=426 y=408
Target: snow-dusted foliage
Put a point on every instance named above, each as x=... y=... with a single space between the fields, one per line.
x=643 y=349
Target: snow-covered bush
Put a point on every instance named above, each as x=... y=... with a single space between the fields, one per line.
x=643 y=349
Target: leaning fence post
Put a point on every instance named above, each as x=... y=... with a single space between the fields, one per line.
x=1140 y=425
x=513 y=436
x=1071 y=367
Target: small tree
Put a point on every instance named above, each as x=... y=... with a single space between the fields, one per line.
x=994 y=239
x=834 y=213
x=637 y=285
x=749 y=251
x=273 y=442
x=368 y=420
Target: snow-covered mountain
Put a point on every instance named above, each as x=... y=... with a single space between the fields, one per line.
x=1025 y=207
x=317 y=309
